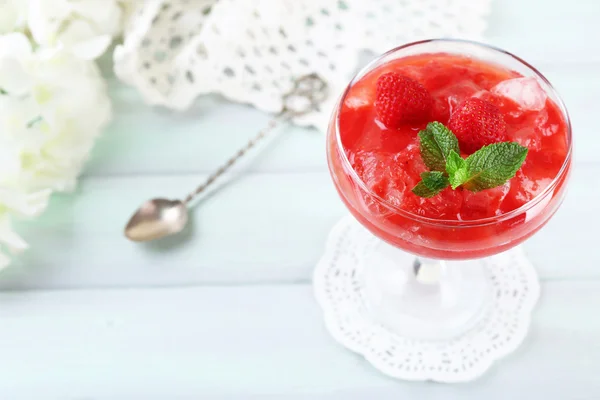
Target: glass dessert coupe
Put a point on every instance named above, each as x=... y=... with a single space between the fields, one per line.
x=426 y=277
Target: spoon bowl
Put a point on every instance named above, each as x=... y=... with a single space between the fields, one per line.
x=156 y=219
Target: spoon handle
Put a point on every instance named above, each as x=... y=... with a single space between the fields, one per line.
x=281 y=117
x=306 y=94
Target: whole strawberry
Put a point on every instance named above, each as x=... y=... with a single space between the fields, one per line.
x=477 y=123
x=400 y=100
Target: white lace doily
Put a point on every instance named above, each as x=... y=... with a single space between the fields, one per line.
x=339 y=288
x=250 y=50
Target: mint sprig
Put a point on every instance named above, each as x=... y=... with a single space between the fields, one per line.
x=488 y=167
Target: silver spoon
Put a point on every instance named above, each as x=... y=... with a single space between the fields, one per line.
x=160 y=217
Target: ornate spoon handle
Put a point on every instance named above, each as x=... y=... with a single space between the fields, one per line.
x=276 y=121
x=307 y=93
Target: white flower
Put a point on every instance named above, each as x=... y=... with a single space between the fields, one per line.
x=84 y=27
x=14 y=202
x=129 y=8
x=13 y=14
x=52 y=108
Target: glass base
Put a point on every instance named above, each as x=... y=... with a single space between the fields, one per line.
x=423 y=321
x=423 y=298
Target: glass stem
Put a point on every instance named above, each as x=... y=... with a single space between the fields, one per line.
x=429 y=271
x=436 y=275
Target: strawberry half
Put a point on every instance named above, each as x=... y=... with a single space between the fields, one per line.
x=477 y=123
x=400 y=99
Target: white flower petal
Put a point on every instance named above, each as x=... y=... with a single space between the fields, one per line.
x=106 y=15
x=9 y=238
x=38 y=202
x=9 y=16
x=10 y=163
x=77 y=31
x=45 y=19
x=92 y=48
x=26 y=205
x=15 y=45
x=13 y=15
x=13 y=78
x=83 y=27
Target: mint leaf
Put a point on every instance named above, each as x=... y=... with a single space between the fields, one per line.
x=436 y=142
x=431 y=184
x=491 y=166
x=454 y=163
x=456 y=167
x=458 y=178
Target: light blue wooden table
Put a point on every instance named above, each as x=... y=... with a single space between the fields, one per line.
x=229 y=311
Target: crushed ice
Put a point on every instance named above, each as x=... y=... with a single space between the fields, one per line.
x=526 y=92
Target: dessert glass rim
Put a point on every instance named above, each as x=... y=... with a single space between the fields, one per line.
x=454 y=223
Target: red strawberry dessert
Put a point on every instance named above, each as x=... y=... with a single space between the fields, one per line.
x=376 y=154
x=459 y=92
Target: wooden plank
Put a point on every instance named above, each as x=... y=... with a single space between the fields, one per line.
x=260 y=228
x=238 y=342
x=547 y=31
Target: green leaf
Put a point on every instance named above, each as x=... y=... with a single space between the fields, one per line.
x=456 y=167
x=436 y=142
x=492 y=166
x=454 y=163
x=431 y=184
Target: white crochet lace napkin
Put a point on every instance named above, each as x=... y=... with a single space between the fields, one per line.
x=251 y=50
